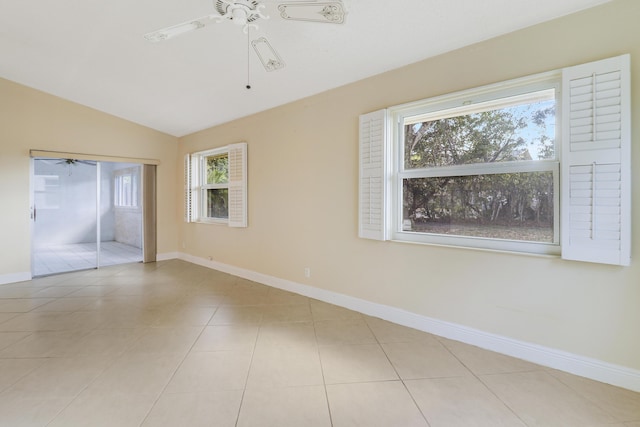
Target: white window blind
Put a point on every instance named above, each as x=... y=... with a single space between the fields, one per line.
x=372 y=175
x=190 y=201
x=187 y=188
x=238 y=185
x=595 y=168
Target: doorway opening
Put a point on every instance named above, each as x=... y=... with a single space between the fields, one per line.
x=86 y=214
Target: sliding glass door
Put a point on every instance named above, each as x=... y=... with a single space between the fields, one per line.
x=86 y=214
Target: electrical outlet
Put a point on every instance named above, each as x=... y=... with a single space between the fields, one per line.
x=307 y=272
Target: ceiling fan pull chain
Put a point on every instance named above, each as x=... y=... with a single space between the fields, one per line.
x=248 y=58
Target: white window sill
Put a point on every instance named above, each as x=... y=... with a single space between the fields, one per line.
x=480 y=244
x=212 y=221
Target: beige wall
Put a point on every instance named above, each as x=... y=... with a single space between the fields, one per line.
x=33 y=120
x=303 y=171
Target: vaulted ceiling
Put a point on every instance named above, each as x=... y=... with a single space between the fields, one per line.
x=93 y=51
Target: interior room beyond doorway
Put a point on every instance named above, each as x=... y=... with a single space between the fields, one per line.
x=86 y=214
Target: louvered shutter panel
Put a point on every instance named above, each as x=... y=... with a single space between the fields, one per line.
x=238 y=185
x=596 y=169
x=188 y=204
x=372 y=175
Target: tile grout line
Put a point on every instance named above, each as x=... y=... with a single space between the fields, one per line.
x=586 y=398
x=484 y=384
x=397 y=373
x=324 y=381
x=90 y=383
x=246 y=380
x=155 y=402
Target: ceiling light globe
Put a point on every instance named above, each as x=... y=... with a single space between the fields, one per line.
x=239 y=16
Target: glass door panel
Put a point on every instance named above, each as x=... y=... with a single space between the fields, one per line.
x=120 y=213
x=64 y=214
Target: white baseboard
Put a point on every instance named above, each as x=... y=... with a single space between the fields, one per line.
x=14 y=277
x=167 y=256
x=575 y=364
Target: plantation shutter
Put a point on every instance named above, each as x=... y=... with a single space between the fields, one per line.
x=372 y=175
x=238 y=185
x=188 y=214
x=596 y=170
x=190 y=188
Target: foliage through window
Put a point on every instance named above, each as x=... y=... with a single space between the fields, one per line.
x=216 y=185
x=480 y=170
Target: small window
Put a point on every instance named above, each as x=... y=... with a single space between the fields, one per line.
x=216 y=186
x=126 y=188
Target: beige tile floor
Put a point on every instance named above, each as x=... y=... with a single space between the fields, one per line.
x=174 y=344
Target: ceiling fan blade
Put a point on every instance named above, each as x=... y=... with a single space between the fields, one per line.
x=185 y=27
x=328 y=12
x=268 y=56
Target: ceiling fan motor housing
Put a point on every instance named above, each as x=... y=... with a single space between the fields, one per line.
x=241 y=12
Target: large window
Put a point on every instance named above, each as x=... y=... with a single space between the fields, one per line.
x=215 y=183
x=534 y=165
x=479 y=173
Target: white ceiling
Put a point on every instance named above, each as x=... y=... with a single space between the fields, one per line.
x=93 y=52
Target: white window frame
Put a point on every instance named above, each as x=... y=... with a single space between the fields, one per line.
x=203 y=186
x=593 y=145
x=134 y=191
x=468 y=102
x=196 y=187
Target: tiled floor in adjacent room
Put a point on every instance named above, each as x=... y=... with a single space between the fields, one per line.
x=175 y=344
x=81 y=256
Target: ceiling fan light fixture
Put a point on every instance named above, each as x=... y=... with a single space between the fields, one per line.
x=239 y=16
x=241 y=12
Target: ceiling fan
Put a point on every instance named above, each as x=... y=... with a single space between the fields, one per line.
x=70 y=163
x=246 y=14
